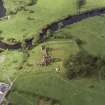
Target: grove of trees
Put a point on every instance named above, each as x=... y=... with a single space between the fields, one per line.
x=85 y=65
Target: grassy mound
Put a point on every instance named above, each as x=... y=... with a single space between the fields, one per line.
x=58 y=50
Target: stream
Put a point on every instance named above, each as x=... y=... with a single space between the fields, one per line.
x=52 y=27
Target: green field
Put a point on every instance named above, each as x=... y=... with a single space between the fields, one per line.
x=26 y=19
x=10 y=61
x=30 y=19
x=90 y=31
x=76 y=92
x=25 y=24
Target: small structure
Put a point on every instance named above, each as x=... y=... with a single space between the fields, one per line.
x=46 y=58
x=4 y=88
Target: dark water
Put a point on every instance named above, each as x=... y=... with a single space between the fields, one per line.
x=71 y=20
x=77 y=18
x=2 y=9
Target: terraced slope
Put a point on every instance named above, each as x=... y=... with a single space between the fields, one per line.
x=59 y=50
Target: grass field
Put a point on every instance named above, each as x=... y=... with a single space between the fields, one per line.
x=14 y=5
x=90 y=4
x=36 y=80
x=28 y=23
x=90 y=31
x=9 y=64
x=27 y=99
x=76 y=92
x=25 y=24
